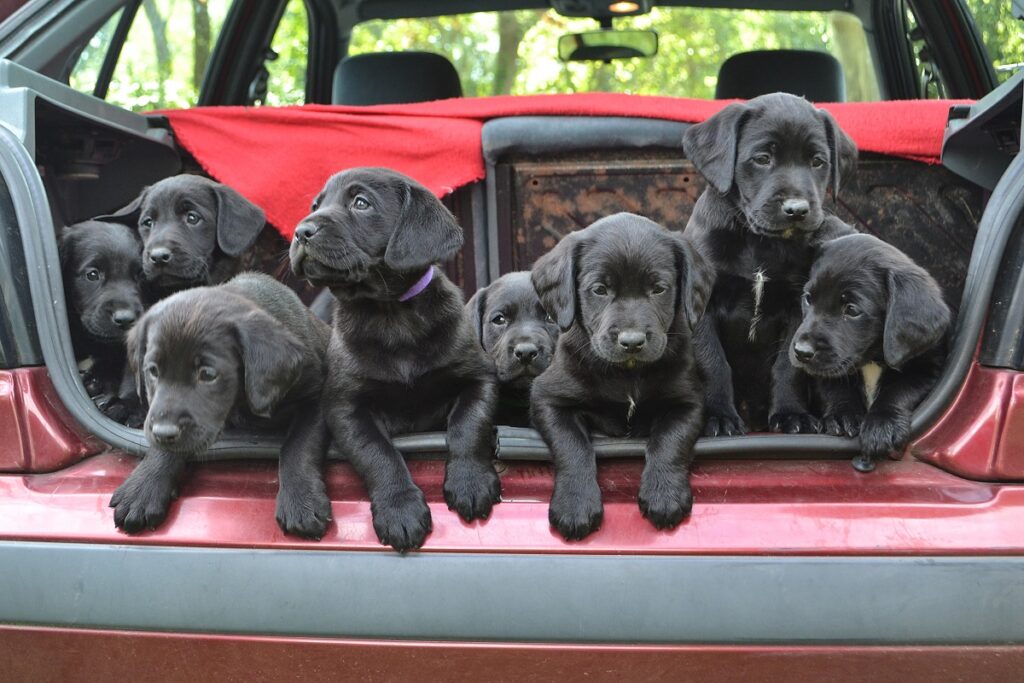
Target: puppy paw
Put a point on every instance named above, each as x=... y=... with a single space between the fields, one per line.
x=471 y=488
x=665 y=500
x=140 y=503
x=110 y=406
x=402 y=519
x=794 y=423
x=723 y=424
x=303 y=509
x=842 y=424
x=576 y=511
x=884 y=435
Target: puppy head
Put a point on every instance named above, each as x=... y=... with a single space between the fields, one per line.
x=865 y=301
x=513 y=328
x=197 y=354
x=186 y=221
x=368 y=222
x=626 y=283
x=101 y=265
x=775 y=157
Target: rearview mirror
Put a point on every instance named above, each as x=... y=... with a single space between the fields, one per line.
x=607 y=45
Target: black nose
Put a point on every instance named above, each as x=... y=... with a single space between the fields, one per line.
x=124 y=318
x=160 y=255
x=796 y=209
x=165 y=433
x=525 y=352
x=305 y=231
x=632 y=340
x=804 y=350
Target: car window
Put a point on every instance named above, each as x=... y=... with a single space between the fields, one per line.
x=1002 y=34
x=86 y=71
x=286 y=83
x=499 y=53
x=930 y=82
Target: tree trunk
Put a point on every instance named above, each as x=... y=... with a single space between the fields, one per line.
x=163 y=50
x=201 y=46
x=848 y=34
x=511 y=30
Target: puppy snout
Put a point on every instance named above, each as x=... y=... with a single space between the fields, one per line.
x=124 y=318
x=166 y=433
x=160 y=255
x=804 y=350
x=632 y=341
x=796 y=209
x=526 y=352
x=305 y=232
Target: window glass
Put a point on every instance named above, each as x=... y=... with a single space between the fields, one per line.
x=287 y=72
x=1002 y=34
x=516 y=52
x=86 y=71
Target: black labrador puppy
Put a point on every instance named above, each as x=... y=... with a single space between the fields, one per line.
x=403 y=355
x=626 y=294
x=193 y=231
x=519 y=337
x=769 y=163
x=872 y=337
x=244 y=353
x=102 y=272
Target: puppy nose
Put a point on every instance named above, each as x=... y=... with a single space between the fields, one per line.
x=525 y=352
x=796 y=209
x=632 y=340
x=160 y=255
x=165 y=433
x=305 y=231
x=124 y=318
x=803 y=349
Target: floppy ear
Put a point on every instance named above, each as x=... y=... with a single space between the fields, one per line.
x=66 y=245
x=128 y=215
x=271 y=359
x=554 y=279
x=426 y=233
x=711 y=145
x=696 y=279
x=239 y=221
x=475 y=307
x=136 y=342
x=842 y=150
x=916 y=319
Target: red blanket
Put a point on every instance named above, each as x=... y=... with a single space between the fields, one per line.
x=279 y=158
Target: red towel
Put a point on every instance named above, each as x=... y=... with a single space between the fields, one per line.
x=279 y=158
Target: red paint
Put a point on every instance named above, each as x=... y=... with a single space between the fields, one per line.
x=36 y=432
x=43 y=654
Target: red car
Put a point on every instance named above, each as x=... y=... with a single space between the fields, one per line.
x=793 y=565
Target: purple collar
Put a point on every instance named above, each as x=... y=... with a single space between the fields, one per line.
x=420 y=285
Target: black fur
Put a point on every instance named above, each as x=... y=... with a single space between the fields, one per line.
x=627 y=294
x=518 y=336
x=769 y=163
x=102 y=270
x=397 y=366
x=245 y=353
x=193 y=231
x=868 y=302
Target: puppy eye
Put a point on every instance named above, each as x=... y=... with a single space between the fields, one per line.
x=92 y=275
x=207 y=375
x=315 y=205
x=192 y=218
x=146 y=222
x=360 y=203
x=499 y=319
x=762 y=159
x=805 y=299
x=851 y=311
x=152 y=371
x=658 y=289
x=549 y=319
x=817 y=162
x=600 y=290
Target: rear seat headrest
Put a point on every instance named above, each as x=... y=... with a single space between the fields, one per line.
x=394 y=78
x=818 y=76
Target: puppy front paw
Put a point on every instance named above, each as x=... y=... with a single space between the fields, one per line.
x=665 y=500
x=401 y=519
x=142 y=503
x=303 y=508
x=842 y=424
x=723 y=423
x=794 y=423
x=576 y=511
x=471 y=488
x=884 y=435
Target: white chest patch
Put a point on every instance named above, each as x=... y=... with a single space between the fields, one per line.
x=631 y=410
x=758 y=287
x=872 y=373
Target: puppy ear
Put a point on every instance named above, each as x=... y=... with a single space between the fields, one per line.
x=128 y=215
x=426 y=233
x=711 y=145
x=917 y=318
x=696 y=279
x=554 y=278
x=136 y=343
x=271 y=360
x=66 y=245
x=475 y=307
x=842 y=150
x=239 y=221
